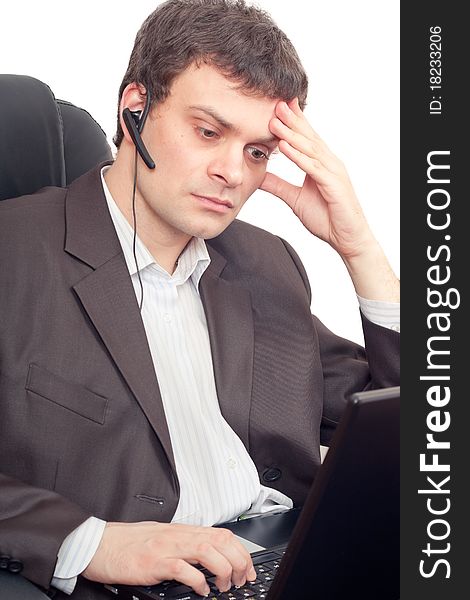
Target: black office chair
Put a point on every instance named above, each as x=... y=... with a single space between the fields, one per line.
x=43 y=141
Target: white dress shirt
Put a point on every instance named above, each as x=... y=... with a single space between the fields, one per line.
x=218 y=479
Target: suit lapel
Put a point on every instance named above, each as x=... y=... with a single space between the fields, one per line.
x=230 y=322
x=108 y=297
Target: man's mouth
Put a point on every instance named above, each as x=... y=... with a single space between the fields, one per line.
x=215 y=204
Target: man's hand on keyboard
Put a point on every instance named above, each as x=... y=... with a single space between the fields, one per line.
x=147 y=553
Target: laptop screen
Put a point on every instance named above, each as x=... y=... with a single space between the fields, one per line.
x=346 y=540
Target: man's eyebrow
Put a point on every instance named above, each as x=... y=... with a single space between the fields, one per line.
x=230 y=126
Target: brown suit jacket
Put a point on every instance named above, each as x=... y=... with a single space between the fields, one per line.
x=82 y=426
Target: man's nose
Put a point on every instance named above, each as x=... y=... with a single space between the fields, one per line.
x=227 y=166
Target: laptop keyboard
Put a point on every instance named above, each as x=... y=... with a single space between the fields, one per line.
x=266 y=565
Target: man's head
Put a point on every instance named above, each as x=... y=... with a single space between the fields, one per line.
x=241 y=42
x=215 y=71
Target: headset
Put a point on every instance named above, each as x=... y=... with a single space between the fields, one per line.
x=135 y=121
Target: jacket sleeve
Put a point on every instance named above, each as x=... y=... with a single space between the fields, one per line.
x=347 y=366
x=33 y=524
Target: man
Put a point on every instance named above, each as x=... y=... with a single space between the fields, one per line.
x=153 y=386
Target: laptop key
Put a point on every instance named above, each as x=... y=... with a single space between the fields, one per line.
x=184 y=596
x=266 y=577
x=260 y=589
x=265 y=557
x=262 y=569
x=175 y=591
x=246 y=592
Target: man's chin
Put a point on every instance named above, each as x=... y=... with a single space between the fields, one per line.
x=208 y=232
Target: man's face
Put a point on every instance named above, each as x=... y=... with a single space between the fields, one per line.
x=210 y=143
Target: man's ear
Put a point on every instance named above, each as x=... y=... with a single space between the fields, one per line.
x=133 y=97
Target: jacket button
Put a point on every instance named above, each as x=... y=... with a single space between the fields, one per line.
x=271 y=475
x=15 y=566
x=4 y=560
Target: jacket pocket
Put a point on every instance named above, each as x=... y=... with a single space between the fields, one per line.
x=66 y=394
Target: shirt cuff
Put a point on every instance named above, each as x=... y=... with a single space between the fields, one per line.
x=386 y=314
x=76 y=552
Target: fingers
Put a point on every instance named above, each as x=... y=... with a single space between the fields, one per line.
x=300 y=142
x=147 y=553
x=180 y=570
x=295 y=139
x=226 y=557
x=290 y=115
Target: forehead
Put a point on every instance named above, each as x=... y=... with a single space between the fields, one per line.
x=205 y=86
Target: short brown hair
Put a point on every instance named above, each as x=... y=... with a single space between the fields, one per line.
x=241 y=41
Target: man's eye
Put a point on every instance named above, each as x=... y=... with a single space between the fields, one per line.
x=207 y=133
x=257 y=154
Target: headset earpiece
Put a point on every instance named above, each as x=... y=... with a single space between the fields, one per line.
x=135 y=121
x=136 y=114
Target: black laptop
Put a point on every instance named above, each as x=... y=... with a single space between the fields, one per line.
x=345 y=541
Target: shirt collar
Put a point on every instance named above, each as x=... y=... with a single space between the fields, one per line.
x=192 y=262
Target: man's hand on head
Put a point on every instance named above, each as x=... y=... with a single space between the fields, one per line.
x=147 y=553
x=327 y=204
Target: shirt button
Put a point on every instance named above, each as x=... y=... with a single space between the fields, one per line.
x=231 y=463
x=167 y=318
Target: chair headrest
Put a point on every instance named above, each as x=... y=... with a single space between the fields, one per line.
x=43 y=141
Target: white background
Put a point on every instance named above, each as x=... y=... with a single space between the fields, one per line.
x=350 y=50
